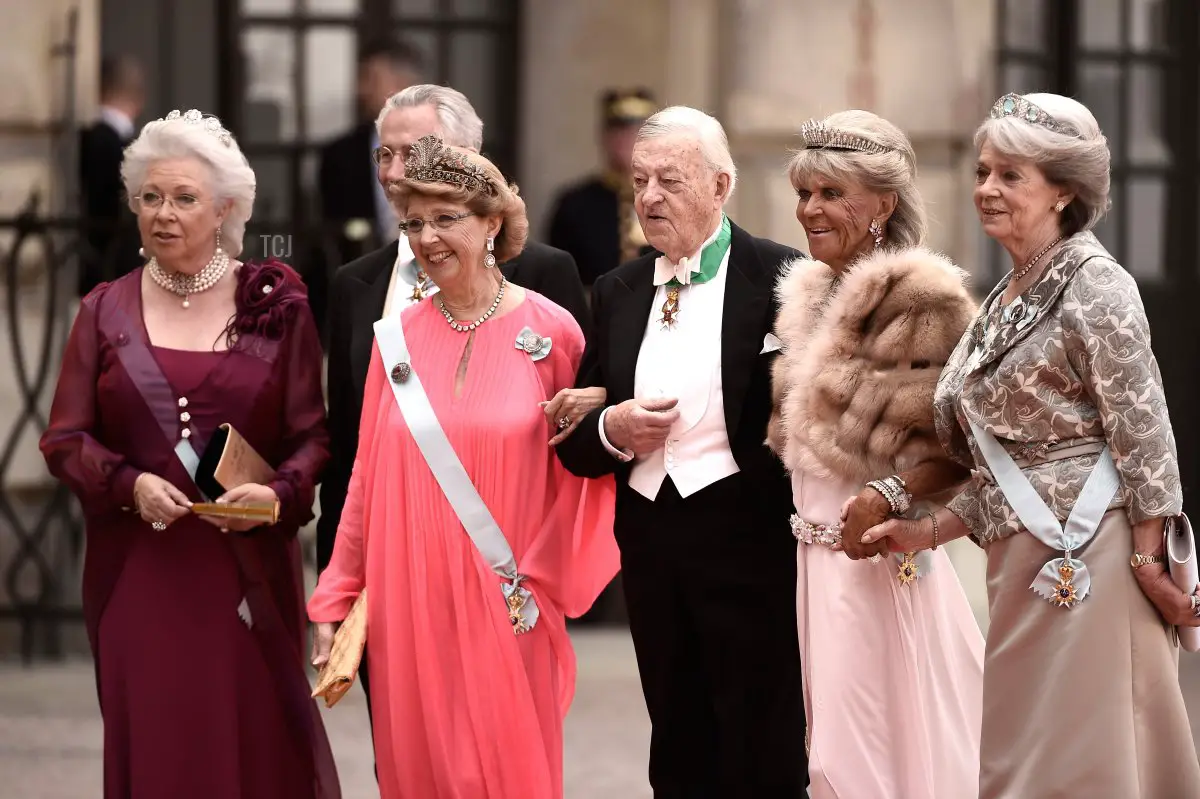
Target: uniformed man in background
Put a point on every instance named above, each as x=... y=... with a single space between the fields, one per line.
x=594 y=219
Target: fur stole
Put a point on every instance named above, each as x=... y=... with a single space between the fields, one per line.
x=853 y=385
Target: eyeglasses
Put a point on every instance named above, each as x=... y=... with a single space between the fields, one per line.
x=414 y=226
x=382 y=156
x=152 y=201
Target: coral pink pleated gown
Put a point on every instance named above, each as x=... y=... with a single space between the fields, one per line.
x=463 y=708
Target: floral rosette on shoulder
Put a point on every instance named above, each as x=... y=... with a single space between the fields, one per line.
x=268 y=296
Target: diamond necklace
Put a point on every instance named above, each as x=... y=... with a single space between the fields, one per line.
x=461 y=328
x=1024 y=270
x=186 y=285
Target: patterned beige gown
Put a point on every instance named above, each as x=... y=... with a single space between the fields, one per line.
x=1081 y=701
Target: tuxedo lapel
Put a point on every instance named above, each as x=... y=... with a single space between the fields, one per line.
x=367 y=308
x=747 y=297
x=631 y=301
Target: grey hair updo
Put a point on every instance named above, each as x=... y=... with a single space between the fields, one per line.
x=1077 y=160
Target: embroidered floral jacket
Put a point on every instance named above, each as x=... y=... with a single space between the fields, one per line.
x=1069 y=363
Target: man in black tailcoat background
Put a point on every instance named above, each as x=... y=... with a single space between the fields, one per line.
x=389 y=279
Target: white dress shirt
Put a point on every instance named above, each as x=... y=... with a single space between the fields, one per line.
x=404 y=280
x=684 y=362
x=118 y=121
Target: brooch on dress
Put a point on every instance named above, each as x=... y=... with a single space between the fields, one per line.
x=1019 y=313
x=535 y=346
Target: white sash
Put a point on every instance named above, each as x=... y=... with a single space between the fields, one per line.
x=1064 y=581
x=448 y=470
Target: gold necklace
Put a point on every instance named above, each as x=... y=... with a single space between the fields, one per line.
x=1017 y=275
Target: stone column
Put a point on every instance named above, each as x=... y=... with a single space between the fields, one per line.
x=923 y=64
x=574 y=50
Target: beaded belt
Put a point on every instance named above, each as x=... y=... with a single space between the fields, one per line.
x=830 y=535
x=827 y=535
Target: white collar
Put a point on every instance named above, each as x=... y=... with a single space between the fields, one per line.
x=694 y=258
x=118 y=120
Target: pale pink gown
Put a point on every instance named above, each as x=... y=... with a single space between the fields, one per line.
x=893 y=674
x=463 y=708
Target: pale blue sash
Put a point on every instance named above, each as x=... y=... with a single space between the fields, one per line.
x=448 y=470
x=1064 y=581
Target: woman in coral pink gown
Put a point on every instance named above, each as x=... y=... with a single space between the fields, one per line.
x=463 y=707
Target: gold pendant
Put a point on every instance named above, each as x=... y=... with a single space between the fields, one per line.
x=908 y=571
x=418 y=292
x=516 y=604
x=670 y=308
x=1064 y=591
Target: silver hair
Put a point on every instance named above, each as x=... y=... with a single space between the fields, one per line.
x=461 y=126
x=682 y=120
x=230 y=175
x=892 y=170
x=1078 y=160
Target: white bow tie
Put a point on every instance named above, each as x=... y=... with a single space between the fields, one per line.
x=665 y=271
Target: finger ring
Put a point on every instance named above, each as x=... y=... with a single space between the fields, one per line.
x=158 y=525
x=875 y=558
x=1195 y=604
x=564 y=423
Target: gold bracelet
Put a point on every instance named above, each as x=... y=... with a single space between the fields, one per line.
x=933 y=518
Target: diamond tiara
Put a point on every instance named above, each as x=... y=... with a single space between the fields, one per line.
x=819 y=136
x=209 y=123
x=1014 y=105
x=431 y=161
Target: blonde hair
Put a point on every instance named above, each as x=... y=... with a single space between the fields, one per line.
x=501 y=199
x=894 y=170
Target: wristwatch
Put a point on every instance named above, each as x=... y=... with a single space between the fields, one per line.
x=1138 y=560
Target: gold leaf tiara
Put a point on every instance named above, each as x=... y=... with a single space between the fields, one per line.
x=1016 y=106
x=209 y=123
x=819 y=136
x=431 y=161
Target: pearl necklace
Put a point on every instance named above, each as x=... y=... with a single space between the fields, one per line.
x=185 y=285
x=461 y=328
x=1017 y=275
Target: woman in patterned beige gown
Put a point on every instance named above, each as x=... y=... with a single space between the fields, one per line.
x=1057 y=372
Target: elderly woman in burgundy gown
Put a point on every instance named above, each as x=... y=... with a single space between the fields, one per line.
x=195 y=622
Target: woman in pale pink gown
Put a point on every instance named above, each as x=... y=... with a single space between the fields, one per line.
x=892 y=656
x=462 y=706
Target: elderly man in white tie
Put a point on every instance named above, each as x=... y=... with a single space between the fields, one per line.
x=683 y=346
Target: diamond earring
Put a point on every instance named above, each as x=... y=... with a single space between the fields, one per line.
x=876 y=230
x=218 y=239
x=1059 y=207
x=489 y=260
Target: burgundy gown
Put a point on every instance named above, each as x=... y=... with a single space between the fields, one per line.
x=197 y=635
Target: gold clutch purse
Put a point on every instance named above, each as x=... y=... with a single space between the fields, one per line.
x=228 y=462
x=338 y=673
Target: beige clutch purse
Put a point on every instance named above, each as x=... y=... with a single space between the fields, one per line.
x=338 y=674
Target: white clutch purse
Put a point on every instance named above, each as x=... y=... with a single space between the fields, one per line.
x=1185 y=573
